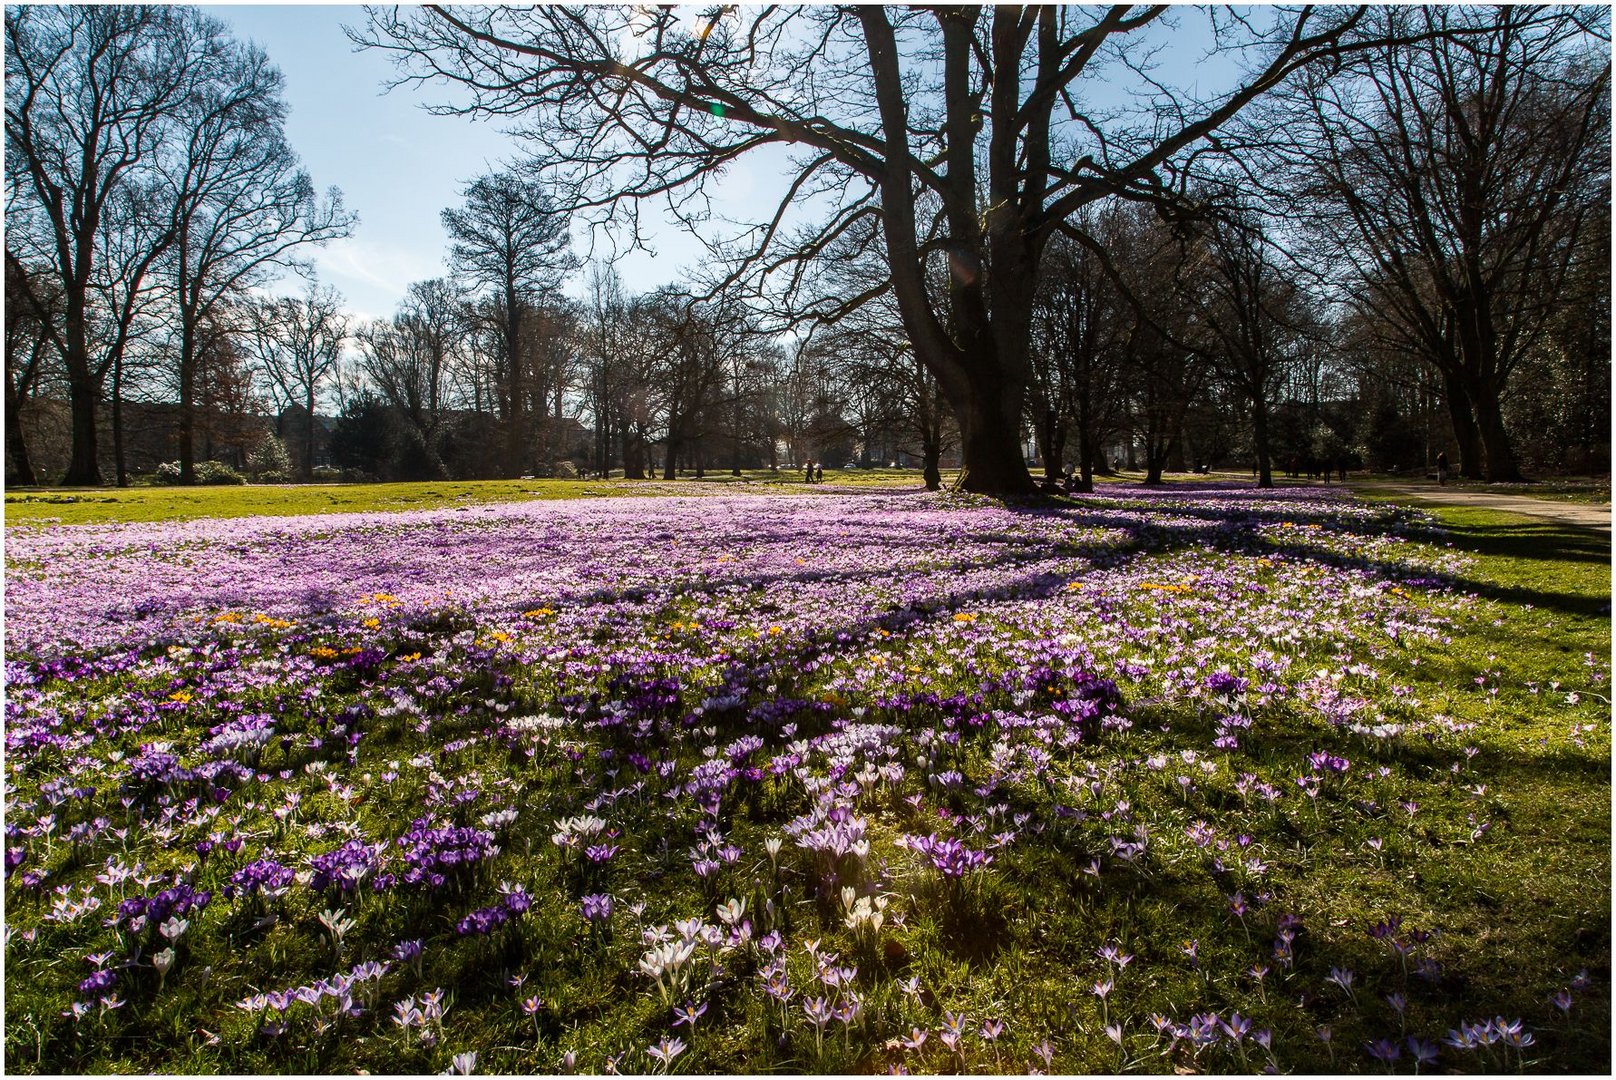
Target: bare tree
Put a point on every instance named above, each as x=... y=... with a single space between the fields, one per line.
x=28 y=348
x=297 y=342
x=606 y=348
x=1250 y=311
x=243 y=207
x=696 y=346
x=408 y=359
x=1079 y=349
x=510 y=239
x=90 y=94
x=977 y=109
x=1453 y=177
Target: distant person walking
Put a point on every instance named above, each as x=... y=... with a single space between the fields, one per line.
x=819 y=474
x=808 y=473
x=1442 y=468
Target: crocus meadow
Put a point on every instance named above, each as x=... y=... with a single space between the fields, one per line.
x=1145 y=781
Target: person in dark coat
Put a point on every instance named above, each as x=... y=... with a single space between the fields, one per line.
x=1442 y=468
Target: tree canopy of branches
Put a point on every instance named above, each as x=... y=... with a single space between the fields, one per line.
x=89 y=91
x=1251 y=312
x=979 y=111
x=410 y=358
x=1454 y=177
x=143 y=142
x=298 y=342
x=1081 y=328
x=509 y=239
x=243 y=208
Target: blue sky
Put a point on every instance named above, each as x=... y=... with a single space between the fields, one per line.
x=399 y=166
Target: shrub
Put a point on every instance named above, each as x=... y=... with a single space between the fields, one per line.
x=207 y=472
x=217 y=472
x=269 y=458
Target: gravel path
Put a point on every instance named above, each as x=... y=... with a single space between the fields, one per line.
x=1567 y=513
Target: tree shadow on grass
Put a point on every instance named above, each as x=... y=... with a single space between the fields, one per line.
x=1544 y=540
x=1234 y=530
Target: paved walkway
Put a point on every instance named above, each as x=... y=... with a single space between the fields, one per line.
x=1566 y=513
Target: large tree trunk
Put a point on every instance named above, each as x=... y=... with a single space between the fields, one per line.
x=1087 y=452
x=1465 y=431
x=19 y=467
x=670 y=463
x=120 y=473
x=1051 y=442
x=993 y=461
x=633 y=454
x=931 y=457
x=1259 y=435
x=1157 y=452
x=83 y=470
x=1498 y=456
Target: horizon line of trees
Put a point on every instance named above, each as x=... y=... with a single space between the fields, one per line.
x=1392 y=232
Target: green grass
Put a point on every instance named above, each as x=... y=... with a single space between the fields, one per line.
x=1541 y=887
x=1519 y=909
x=86 y=506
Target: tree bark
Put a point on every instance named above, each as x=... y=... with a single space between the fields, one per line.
x=670 y=463
x=1259 y=435
x=931 y=457
x=120 y=473
x=1087 y=452
x=83 y=470
x=19 y=467
x=1498 y=455
x=1465 y=431
x=1052 y=442
x=992 y=458
x=633 y=454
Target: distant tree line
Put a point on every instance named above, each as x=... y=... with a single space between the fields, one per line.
x=1387 y=237
x=150 y=189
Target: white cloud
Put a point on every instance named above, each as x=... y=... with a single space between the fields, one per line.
x=372 y=275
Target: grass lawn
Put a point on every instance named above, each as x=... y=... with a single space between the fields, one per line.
x=83 y=506
x=1158 y=781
